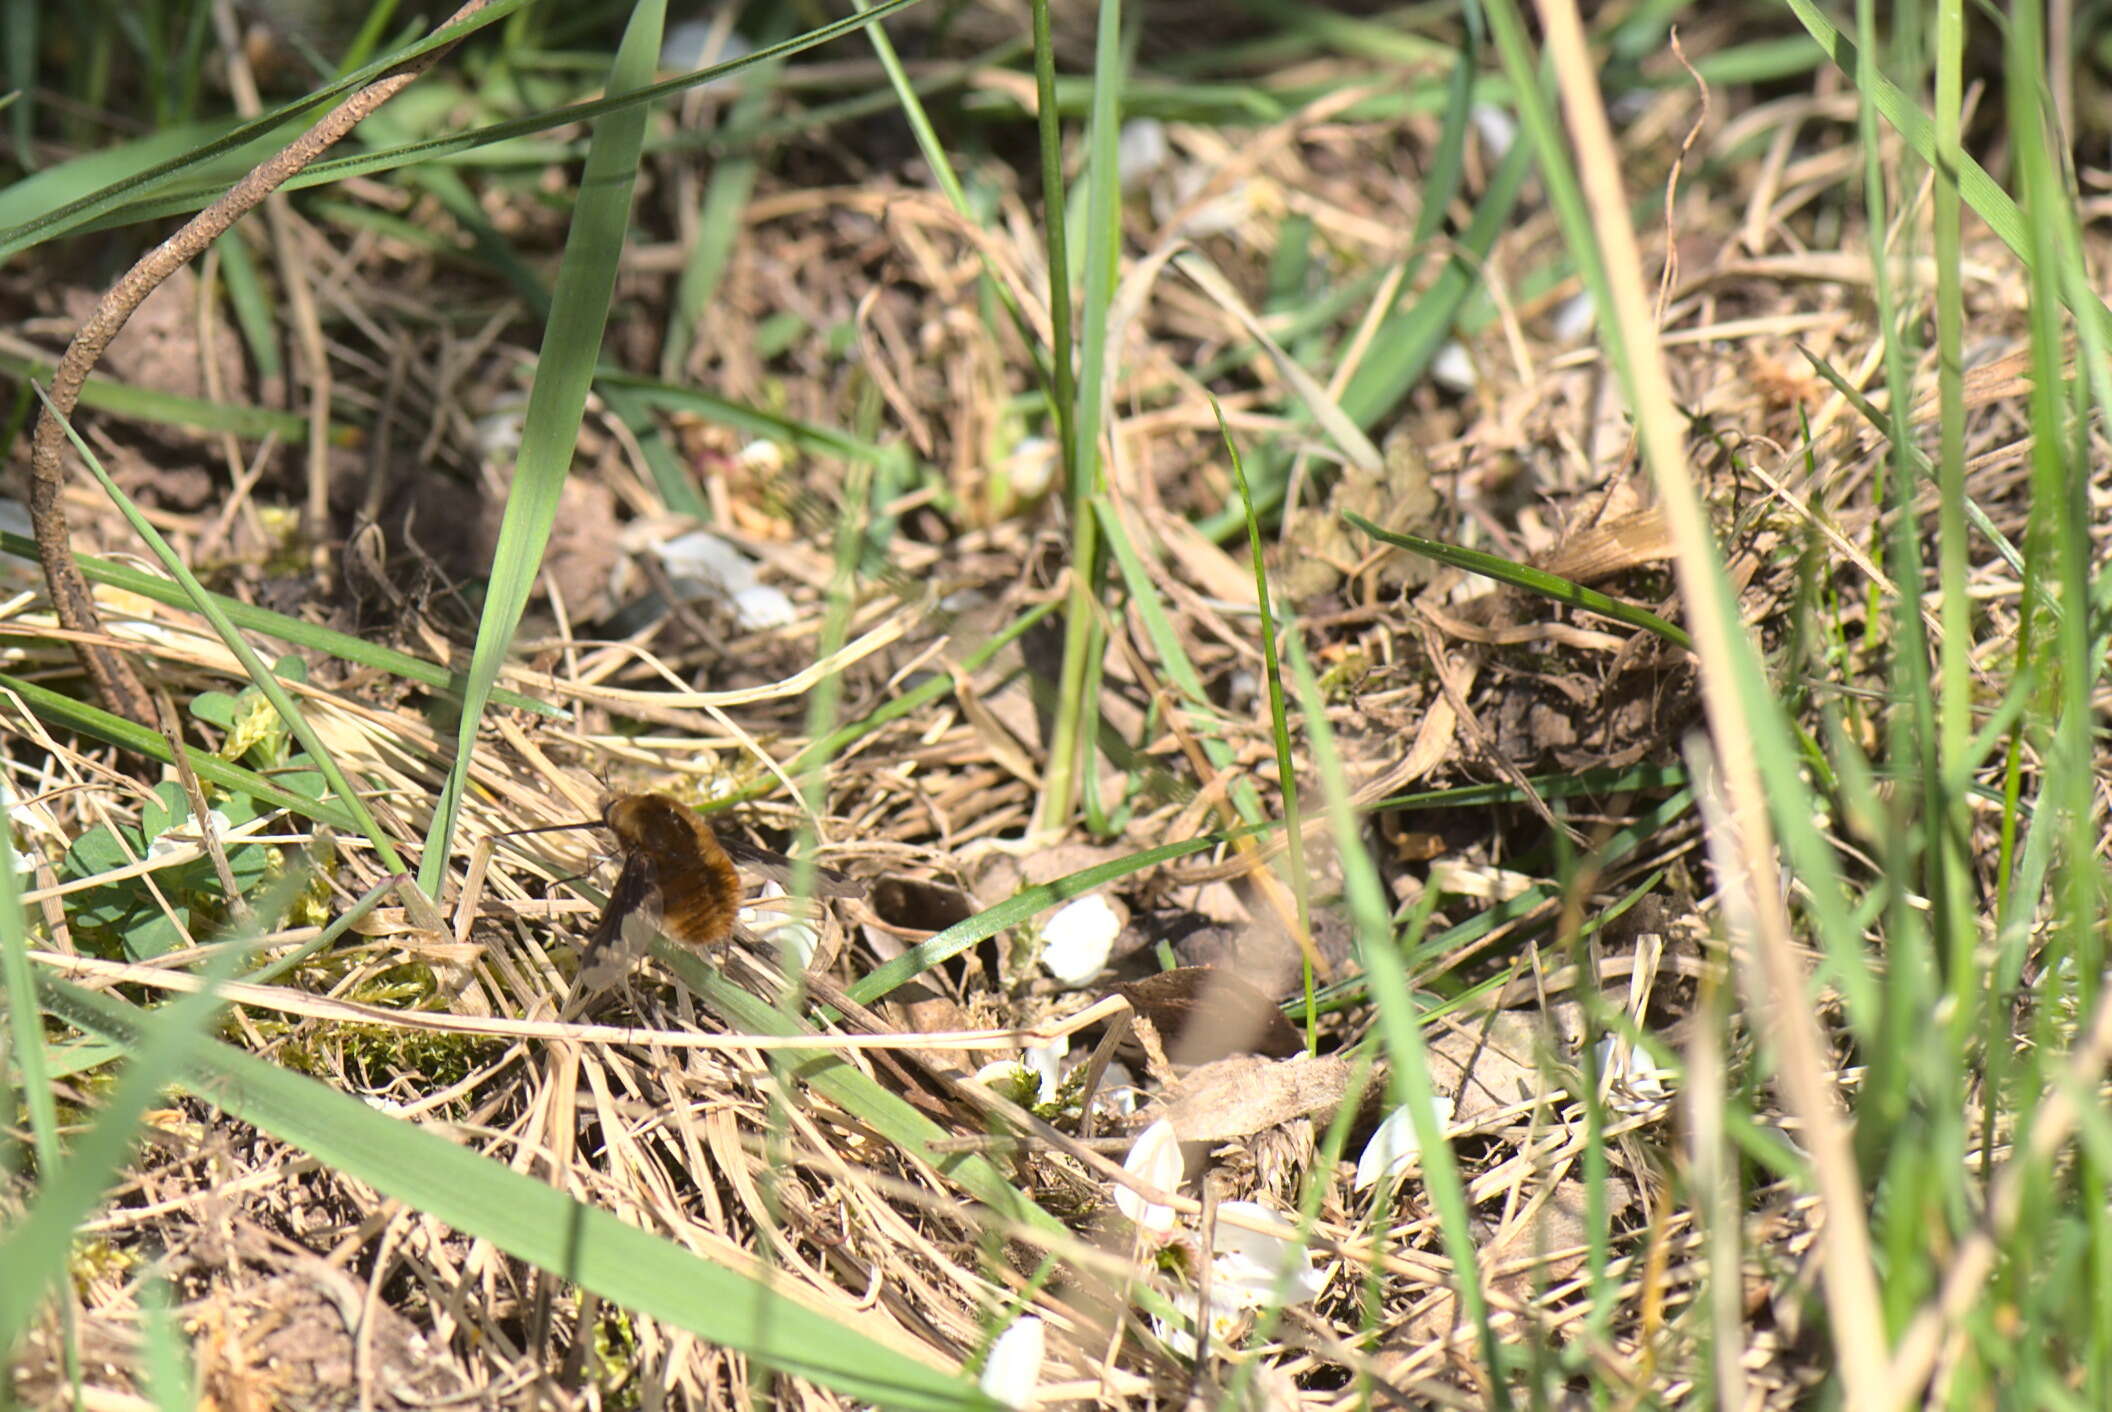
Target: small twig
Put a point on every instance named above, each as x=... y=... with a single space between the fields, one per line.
x=116 y=681
x=300 y=298
x=172 y=731
x=1003 y=1144
x=1456 y=697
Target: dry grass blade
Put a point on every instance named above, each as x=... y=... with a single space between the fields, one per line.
x=1018 y=1102
x=1728 y=673
x=115 y=681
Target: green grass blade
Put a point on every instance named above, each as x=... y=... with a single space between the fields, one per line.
x=1770 y=800
x=529 y=1220
x=335 y=169
x=1811 y=858
x=626 y=402
x=912 y=109
x=1448 y=162
x=1953 y=551
x=911 y=105
x=1400 y=1029
x=827 y=1072
x=261 y=676
x=1355 y=446
x=252 y=301
x=164 y=1353
x=1279 y=723
x=35 y=1251
x=169 y=409
x=1980 y=191
x=1203 y=716
x=67 y=713
x=1902 y=1070
x=571 y=347
x=897 y=707
x=28 y=216
x=1870 y=412
x=250 y=617
x=28 y=1046
x=1539 y=581
x=1055 y=223
x=1071 y=738
x=801 y=436
x=718 y=227
x=1401 y=352
x=18 y=36
x=2061 y=504
x=1023 y=905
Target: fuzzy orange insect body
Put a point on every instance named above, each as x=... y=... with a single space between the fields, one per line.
x=670 y=852
x=678 y=874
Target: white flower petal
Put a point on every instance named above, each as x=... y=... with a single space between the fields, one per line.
x=1575 y=317
x=760 y=606
x=1156 y=1161
x=688 y=47
x=1013 y=1370
x=1225 y=1321
x=1077 y=941
x=700 y=562
x=1119 y=1096
x=1179 y=1340
x=799 y=941
x=1497 y=127
x=34 y=820
x=497 y=433
x=787 y=933
x=184 y=834
x=1216 y=216
x=1031 y=468
x=1637 y=1081
x=1395 y=1146
x=1140 y=150
x=1246 y=1266
x=1046 y=1061
x=763 y=457
x=1453 y=367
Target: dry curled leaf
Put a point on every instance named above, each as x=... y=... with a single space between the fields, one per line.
x=1206 y=1014
x=1488 y=1066
x=1245 y=1094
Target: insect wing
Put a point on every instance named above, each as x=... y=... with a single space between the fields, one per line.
x=780 y=869
x=636 y=894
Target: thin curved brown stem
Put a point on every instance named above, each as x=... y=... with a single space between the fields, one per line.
x=116 y=680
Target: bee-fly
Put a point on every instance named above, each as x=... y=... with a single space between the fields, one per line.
x=677 y=872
